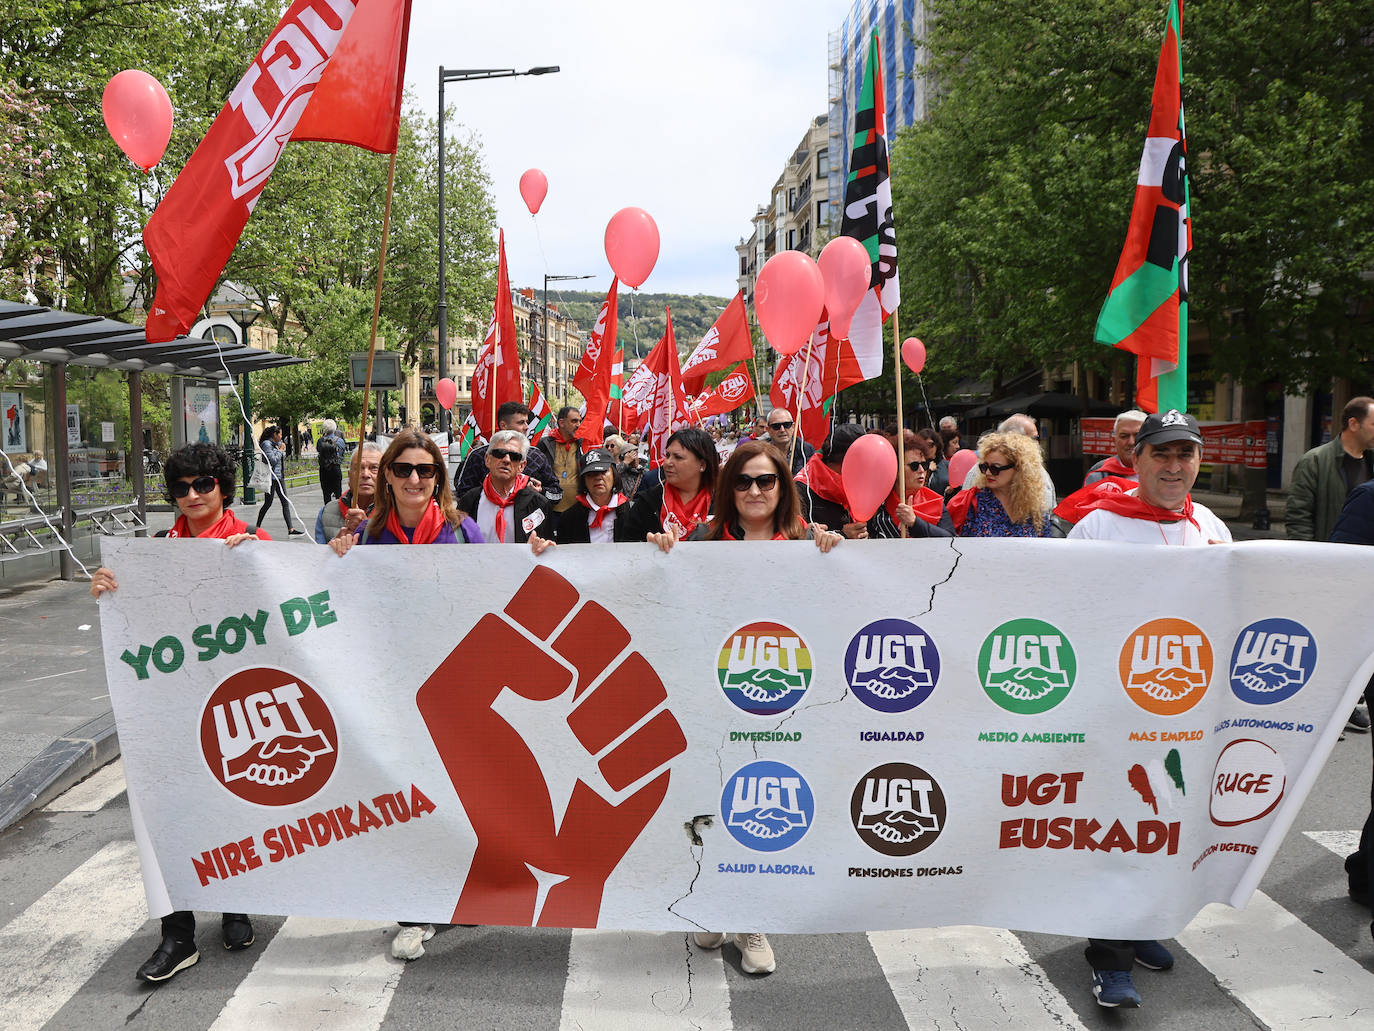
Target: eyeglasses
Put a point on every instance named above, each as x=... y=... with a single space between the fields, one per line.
x=918 y=466
x=993 y=469
x=402 y=470
x=779 y=425
x=765 y=482
x=201 y=485
x=499 y=453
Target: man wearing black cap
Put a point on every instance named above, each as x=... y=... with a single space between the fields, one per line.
x=1168 y=453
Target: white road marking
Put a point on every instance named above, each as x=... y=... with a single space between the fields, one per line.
x=1283 y=972
x=93 y=793
x=982 y=976
x=633 y=980
x=54 y=946
x=50 y=676
x=1342 y=843
x=317 y=974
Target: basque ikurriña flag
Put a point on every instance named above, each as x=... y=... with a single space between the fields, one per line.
x=594 y=373
x=496 y=376
x=1146 y=311
x=332 y=71
x=541 y=415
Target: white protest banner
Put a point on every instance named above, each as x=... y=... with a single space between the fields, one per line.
x=1068 y=737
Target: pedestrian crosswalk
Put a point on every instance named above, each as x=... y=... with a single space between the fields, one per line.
x=1263 y=966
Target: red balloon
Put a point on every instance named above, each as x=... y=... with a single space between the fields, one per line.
x=632 y=245
x=788 y=298
x=534 y=187
x=914 y=354
x=869 y=470
x=959 y=464
x=447 y=392
x=138 y=114
x=847 y=271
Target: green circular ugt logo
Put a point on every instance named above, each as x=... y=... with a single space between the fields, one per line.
x=1027 y=666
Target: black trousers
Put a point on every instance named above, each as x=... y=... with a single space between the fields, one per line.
x=1109 y=954
x=181 y=924
x=331 y=483
x=1359 y=865
x=276 y=492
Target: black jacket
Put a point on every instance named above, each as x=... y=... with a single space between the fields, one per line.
x=573 y=526
x=646 y=512
x=527 y=501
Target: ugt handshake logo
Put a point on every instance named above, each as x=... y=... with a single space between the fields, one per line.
x=530 y=867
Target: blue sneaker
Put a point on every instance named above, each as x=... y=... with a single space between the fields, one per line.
x=1153 y=956
x=1115 y=988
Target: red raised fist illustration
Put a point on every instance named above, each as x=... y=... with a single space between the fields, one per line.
x=530 y=867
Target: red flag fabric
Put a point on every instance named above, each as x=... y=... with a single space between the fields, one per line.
x=725 y=343
x=820 y=367
x=496 y=377
x=663 y=407
x=197 y=226
x=727 y=395
x=595 y=371
x=629 y=411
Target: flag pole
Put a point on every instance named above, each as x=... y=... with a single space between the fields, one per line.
x=901 y=421
x=800 y=400
x=377 y=294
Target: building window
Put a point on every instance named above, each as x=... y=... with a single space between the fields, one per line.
x=822 y=164
x=821 y=213
x=426 y=384
x=791 y=239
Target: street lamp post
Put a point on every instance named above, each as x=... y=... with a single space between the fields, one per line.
x=459 y=75
x=548 y=367
x=243 y=318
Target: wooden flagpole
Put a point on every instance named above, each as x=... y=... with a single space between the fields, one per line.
x=377 y=295
x=901 y=421
x=800 y=400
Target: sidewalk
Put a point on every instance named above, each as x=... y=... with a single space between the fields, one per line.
x=56 y=727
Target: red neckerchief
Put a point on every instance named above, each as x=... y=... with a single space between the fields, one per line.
x=728 y=534
x=1114 y=466
x=222 y=528
x=425 y=532
x=557 y=436
x=961 y=506
x=927 y=505
x=1133 y=507
x=601 y=510
x=1085 y=499
x=345 y=503
x=824 y=481
x=685 y=517
x=503 y=503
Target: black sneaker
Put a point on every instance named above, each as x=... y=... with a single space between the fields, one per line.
x=1359 y=720
x=238 y=931
x=171 y=958
x=1357 y=879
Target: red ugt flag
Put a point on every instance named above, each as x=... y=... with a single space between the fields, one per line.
x=727 y=395
x=332 y=71
x=662 y=406
x=496 y=376
x=724 y=344
x=594 y=373
x=803 y=381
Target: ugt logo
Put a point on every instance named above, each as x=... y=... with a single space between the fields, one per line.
x=898 y=809
x=1027 y=666
x=1165 y=666
x=268 y=737
x=767 y=806
x=764 y=668
x=892 y=665
x=1272 y=660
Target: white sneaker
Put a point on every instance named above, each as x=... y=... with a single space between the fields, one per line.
x=708 y=939
x=409 y=942
x=756 y=955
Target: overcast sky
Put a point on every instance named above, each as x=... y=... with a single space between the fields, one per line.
x=686 y=110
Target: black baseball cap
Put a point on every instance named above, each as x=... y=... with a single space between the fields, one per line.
x=598 y=460
x=1166 y=427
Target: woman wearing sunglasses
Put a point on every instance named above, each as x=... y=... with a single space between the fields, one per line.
x=683 y=498
x=414 y=504
x=922 y=512
x=1009 y=496
x=200 y=481
x=507 y=508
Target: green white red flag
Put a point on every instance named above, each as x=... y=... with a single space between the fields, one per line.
x=1146 y=311
x=595 y=373
x=496 y=376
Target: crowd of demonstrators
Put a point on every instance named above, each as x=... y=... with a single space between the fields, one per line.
x=595 y=518
x=329 y=455
x=820 y=484
x=921 y=514
x=506 y=504
x=1007 y=497
x=275 y=452
x=682 y=497
x=345 y=514
x=199 y=480
x=1120 y=465
x=512 y=415
x=564 y=452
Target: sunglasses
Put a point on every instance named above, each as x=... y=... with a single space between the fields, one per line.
x=402 y=470
x=993 y=469
x=918 y=466
x=765 y=482
x=779 y=425
x=201 y=485
x=500 y=453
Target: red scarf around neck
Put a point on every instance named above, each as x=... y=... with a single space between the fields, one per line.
x=927 y=505
x=961 y=506
x=222 y=528
x=559 y=439
x=824 y=481
x=686 y=517
x=503 y=503
x=1082 y=501
x=1133 y=507
x=1114 y=466
x=426 y=532
x=616 y=501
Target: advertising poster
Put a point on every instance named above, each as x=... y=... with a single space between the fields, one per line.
x=14 y=427
x=201 y=411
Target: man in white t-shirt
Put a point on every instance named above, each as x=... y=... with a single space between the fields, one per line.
x=1168 y=453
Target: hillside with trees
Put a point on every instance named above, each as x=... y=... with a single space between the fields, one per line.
x=693 y=315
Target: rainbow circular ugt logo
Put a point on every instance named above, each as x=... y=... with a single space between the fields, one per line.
x=764 y=668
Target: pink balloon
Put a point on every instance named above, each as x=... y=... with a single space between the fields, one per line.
x=869 y=470
x=138 y=114
x=632 y=245
x=914 y=354
x=847 y=271
x=447 y=392
x=959 y=464
x=788 y=298
x=534 y=187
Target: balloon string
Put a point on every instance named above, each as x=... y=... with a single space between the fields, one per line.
x=634 y=322
x=39 y=509
x=539 y=239
x=925 y=400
